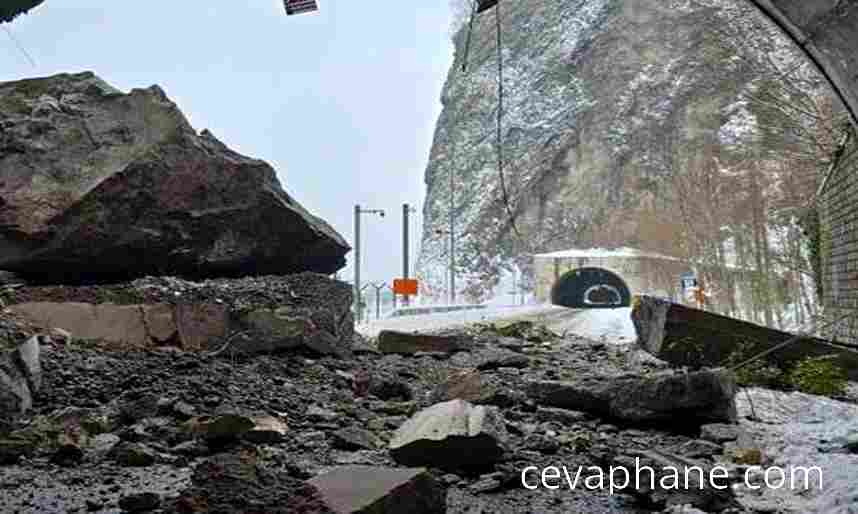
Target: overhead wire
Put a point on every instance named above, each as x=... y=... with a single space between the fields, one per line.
x=499 y=114
x=20 y=46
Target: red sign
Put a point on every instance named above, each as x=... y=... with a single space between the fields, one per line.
x=406 y=286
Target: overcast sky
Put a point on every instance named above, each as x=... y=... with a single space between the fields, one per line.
x=342 y=102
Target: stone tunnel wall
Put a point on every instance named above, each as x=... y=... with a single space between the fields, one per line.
x=839 y=252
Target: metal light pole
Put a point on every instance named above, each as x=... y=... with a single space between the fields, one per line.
x=406 y=209
x=357 y=293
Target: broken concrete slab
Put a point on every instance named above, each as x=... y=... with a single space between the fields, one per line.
x=200 y=323
x=694 y=398
x=451 y=435
x=107 y=322
x=694 y=338
x=391 y=341
x=380 y=490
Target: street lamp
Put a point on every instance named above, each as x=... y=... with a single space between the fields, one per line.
x=357 y=293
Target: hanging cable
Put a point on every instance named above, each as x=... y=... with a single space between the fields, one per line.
x=468 y=37
x=499 y=134
x=20 y=46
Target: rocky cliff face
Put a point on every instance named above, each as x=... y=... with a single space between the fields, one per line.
x=98 y=184
x=597 y=94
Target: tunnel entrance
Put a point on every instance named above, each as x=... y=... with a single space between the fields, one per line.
x=591 y=288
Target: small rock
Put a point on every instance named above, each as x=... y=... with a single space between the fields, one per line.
x=747 y=456
x=719 y=432
x=463 y=384
x=852 y=443
x=224 y=426
x=390 y=341
x=387 y=388
x=266 y=430
x=315 y=413
x=133 y=455
x=140 y=502
x=184 y=410
x=698 y=448
x=353 y=438
x=564 y=416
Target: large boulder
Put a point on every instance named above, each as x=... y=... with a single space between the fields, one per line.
x=452 y=435
x=676 y=398
x=99 y=184
x=12 y=8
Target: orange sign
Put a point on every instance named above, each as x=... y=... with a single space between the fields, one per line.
x=406 y=286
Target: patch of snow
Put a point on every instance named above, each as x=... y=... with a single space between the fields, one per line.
x=594 y=253
x=796 y=429
x=607 y=325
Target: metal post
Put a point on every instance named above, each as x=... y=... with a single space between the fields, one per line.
x=357 y=264
x=405 y=249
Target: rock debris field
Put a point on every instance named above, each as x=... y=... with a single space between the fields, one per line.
x=419 y=423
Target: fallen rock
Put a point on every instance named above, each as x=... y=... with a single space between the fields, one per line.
x=565 y=416
x=140 y=502
x=237 y=482
x=852 y=443
x=719 y=432
x=695 y=338
x=490 y=359
x=698 y=448
x=257 y=429
x=353 y=438
x=266 y=430
x=462 y=384
x=666 y=486
x=380 y=490
x=693 y=398
x=391 y=341
x=102 y=178
x=451 y=435
x=20 y=377
x=389 y=388
x=27 y=355
x=133 y=455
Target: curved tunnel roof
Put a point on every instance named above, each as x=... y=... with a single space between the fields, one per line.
x=575 y=287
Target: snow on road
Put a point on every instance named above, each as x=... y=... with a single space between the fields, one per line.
x=609 y=325
x=438 y=321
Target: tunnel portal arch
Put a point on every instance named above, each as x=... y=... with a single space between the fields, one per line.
x=591 y=288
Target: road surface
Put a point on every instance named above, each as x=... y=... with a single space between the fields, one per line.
x=610 y=325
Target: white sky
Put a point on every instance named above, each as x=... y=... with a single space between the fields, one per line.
x=342 y=102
